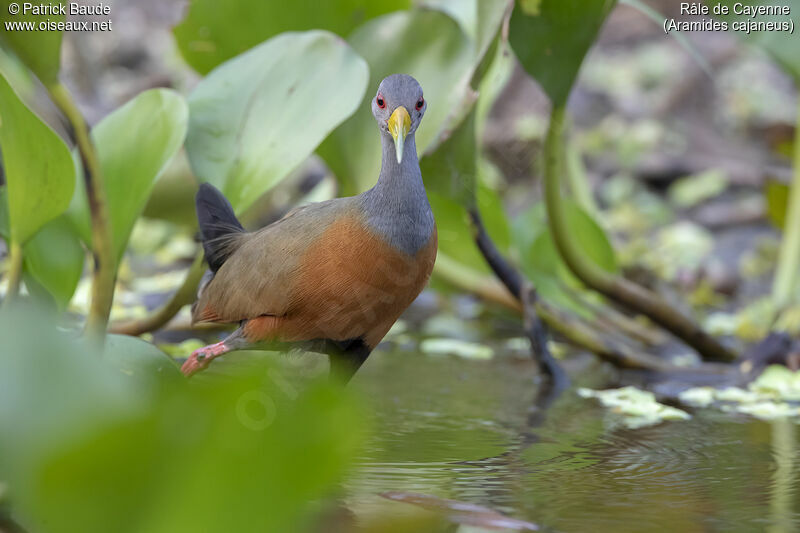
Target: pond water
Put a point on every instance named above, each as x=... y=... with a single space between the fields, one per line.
x=460 y=429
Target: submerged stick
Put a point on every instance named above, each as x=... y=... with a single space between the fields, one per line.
x=183 y=296
x=524 y=292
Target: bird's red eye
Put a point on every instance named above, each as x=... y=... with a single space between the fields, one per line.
x=380 y=101
x=420 y=103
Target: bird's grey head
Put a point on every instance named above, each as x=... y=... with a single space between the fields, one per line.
x=398 y=107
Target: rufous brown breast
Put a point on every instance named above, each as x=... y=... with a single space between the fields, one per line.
x=350 y=284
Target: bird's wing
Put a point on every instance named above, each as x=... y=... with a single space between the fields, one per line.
x=257 y=279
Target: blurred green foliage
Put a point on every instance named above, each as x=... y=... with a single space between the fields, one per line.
x=121 y=442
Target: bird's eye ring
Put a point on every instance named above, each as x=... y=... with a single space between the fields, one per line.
x=380 y=101
x=420 y=103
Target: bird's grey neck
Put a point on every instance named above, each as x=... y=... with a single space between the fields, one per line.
x=397 y=207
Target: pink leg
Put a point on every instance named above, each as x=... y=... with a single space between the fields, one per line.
x=202 y=357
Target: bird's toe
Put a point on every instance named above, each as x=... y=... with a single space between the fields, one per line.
x=195 y=363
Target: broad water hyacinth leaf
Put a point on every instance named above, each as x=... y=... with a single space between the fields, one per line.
x=38 y=168
x=135 y=144
x=552 y=40
x=214 y=32
x=258 y=116
x=39 y=49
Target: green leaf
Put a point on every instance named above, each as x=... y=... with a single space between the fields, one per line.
x=541 y=261
x=135 y=144
x=451 y=168
x=455 y=231
x=140 y=359
x=214 y=32
x=590 y=237
x=479 y=19
x=255 y=118
x=38 y=168
x=551 y=45
x=172 y=198
x=531 y=7
x=428 y=45
x=163 y=456
x=491 y=86
x=39 y=49
x=54 y=257
x=777 y=196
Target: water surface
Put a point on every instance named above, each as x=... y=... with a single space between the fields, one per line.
x=461 y=429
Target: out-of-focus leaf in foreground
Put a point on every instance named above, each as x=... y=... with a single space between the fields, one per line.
x=161 y=453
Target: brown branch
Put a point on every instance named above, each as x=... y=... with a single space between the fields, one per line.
x=583 y=335
x=105 y=262
x=183 y=296
x=575 y=330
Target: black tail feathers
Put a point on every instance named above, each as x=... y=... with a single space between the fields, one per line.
x=217 y=222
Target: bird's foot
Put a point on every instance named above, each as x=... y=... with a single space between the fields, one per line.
x=202 y=357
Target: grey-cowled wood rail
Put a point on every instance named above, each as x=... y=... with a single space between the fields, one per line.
x=334 y=274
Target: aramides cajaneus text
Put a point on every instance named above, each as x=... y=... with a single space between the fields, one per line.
x=338 y=273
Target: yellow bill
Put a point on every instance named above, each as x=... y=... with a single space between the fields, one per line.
x=399 y=124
